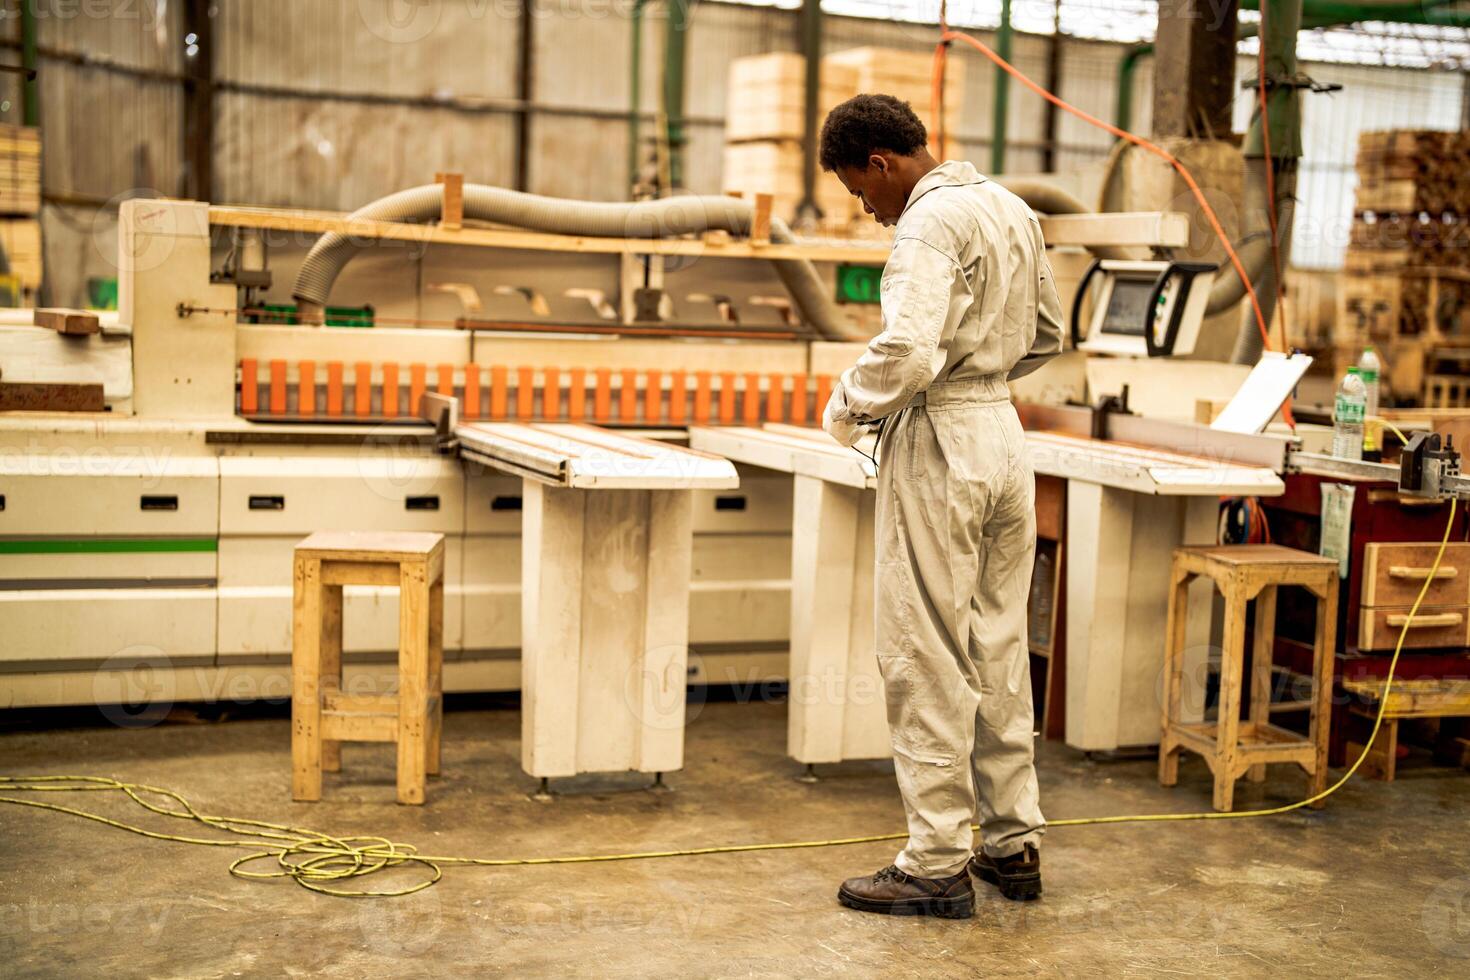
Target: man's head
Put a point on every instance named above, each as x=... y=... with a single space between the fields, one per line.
x=878 y=148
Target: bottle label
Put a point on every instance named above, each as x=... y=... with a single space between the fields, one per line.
x=1369 y=375
x=1349 y=410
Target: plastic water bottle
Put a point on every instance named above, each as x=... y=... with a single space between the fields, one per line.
x=1368 y=369
x=1347 y=417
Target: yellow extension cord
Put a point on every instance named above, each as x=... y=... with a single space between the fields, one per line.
x=313 y=859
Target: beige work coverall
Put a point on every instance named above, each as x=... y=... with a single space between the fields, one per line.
x=967 y=301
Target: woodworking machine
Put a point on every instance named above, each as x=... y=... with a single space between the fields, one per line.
x=145 y=552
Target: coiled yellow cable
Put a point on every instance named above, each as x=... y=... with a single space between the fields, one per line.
x=314 y=860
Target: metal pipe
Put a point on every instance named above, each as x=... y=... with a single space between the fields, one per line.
x=811 y=50
x=526 y=63
x=635 y=93
x=1002 y=91
x=676 y=27
x=31 y=111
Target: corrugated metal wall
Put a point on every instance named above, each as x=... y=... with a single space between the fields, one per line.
x=329 y=105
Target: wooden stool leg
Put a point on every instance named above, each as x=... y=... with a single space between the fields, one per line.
x=413 y=679
x=1261 y=656
x=436 y=676
x=1324 y=658
x=1232 y=667
x=306 y=670
x=1173 y=676
x=332 y=663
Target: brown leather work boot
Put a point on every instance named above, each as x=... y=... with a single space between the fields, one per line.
x=892 y=892
x=1018 y=877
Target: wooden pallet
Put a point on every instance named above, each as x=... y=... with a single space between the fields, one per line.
x=1408 y=171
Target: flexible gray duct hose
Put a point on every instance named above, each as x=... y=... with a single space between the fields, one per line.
x=689 y=214
x=1049 y=199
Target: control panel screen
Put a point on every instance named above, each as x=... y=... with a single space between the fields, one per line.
x=1127 y=306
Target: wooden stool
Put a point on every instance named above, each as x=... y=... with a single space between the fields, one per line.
x=1231 y=746
x=322 y=715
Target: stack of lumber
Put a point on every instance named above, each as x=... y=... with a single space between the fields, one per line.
x=909 y=76
x=1405 y=171
x=21 y=239
x=20 y=170
x=1406 y=277
x=765 y=120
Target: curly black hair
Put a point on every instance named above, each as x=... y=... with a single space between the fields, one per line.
x=865 y=123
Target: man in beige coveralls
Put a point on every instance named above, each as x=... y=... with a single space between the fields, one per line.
x=968 y=301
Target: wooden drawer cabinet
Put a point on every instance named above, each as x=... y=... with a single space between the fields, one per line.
x=1433 y=626
x=1393 y=574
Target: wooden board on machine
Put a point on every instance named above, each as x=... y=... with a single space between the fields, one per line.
x=20 y=170
x=1413 y=170
x=28 y=396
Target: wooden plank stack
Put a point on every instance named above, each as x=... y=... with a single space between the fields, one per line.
x=20 y=170
x=765 y=120
x=1406 y=277
x=1406 y=171
x=21 y=239
x=909 y=76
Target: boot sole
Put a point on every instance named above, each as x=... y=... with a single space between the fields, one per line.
x=954 y=907
x=1017 y=888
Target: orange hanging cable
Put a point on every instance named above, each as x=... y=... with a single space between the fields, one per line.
x=1158 y=151
x=1270 y=173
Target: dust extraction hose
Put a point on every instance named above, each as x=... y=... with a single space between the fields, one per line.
x=686 y=214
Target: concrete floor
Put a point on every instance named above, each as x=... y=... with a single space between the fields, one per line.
x=1375 y=885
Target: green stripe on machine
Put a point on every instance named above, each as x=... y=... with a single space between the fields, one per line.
x=82 y=546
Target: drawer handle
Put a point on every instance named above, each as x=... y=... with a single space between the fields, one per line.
x=506 y=502
x=267 y=502
x=1426 y=622
x=160 y=502
x=1419 y=574
x=421 y=503
x=729 y=503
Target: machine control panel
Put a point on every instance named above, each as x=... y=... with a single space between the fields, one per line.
x=1142 y=308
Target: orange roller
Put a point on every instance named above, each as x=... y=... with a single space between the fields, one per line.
x=752 y=399
x=550 y=393
x=417 y=373
x=334 y=388
x=577 y=395
x=602 y=398
x=775 y=407
x=701 y=397
x=628 y=395
x=525 y=393
x=278 y=387
x=249 y=387
x=446 y=380
x=824 y=392
x=306 y=388
x=678 y=398
x=727 y=397
x=472 y=391
x=390 y=389
x=499 y=396
x=798 y=399
x=362 y=394
x=653 y=397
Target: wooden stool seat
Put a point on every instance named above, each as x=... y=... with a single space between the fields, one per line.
x=1232 y=747
x=322 y=714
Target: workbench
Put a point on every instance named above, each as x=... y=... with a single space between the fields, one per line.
x=605 y=570
x=836 y=707
x=1128 y=508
